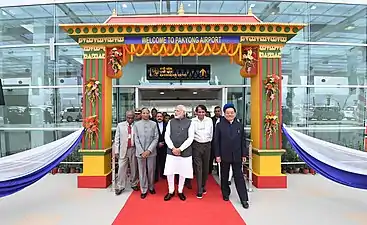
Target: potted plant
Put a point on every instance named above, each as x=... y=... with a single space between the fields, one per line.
x=54 y=171
x=312 y=171
x=60 y=169
x=80 y=169
x=305 y=170
x=291 y=170
x=297 y=166
x=296 y=169
x=67 y=169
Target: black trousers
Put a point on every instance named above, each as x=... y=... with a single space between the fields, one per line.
x=161 y=162
x=201 y=157
x=212 y=157
x=239 y=180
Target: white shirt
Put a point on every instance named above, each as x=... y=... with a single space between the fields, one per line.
x=203 y=129
x=160 y=126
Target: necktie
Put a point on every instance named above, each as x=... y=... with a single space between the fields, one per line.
x=129 y=144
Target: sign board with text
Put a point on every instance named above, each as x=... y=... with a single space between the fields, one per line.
x=181 y=40
x=178 y=72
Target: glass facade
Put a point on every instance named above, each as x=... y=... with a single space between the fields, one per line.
x=324 y=67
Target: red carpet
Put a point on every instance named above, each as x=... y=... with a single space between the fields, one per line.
x=153 y=210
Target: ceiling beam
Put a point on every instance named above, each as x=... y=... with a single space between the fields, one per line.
x=338 y=27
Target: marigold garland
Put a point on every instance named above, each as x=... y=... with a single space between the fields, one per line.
x=271 y=124
x=191 y=49
x=116 y=62
x=271 y=85
x=92 y=90
x=91 y=124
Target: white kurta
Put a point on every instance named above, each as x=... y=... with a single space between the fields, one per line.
x=177 y=164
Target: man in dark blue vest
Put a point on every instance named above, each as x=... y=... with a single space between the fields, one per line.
x=178 y=137
x=230 y=150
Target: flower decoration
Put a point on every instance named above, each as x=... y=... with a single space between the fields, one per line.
x=271 y=123
x=116 y=62
x=249 y=58
x=91 y=124
x=271 y=85
x=92 y=90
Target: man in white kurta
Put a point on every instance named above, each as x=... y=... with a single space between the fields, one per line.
x=178 y=137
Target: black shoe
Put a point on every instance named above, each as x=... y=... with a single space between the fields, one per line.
x=229 y=183
x=204 y=191
x=182 y=196
x=118 y=191
x=142 y=196
x=152 y=191
x=225 y=198
x=168 y=196
x=199 y=195
x=135 y=188
x=245 y=204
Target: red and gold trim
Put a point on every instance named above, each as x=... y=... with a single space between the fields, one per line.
x=269 y=181
x=95 y=181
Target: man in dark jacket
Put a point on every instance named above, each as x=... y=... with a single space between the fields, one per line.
x=161 y=148
x=230 y=150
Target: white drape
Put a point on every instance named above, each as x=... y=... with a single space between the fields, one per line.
x=27 y=162
x=337 y=156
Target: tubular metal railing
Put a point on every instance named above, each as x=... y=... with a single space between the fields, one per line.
x=113 y=168
x=249 y=166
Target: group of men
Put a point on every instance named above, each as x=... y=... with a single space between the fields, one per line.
x=178 y=149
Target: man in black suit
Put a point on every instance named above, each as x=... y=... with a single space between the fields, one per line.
x=217 y=115
x=230 y=150
x=161 y=148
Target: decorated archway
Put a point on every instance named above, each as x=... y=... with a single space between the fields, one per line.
x=249 y=42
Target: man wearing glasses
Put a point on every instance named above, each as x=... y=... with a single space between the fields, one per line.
x=124 y=149
x=178 y=137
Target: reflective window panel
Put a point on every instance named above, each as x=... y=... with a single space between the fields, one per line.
x=69 y=13
x=172 y=7
x=41 y=108
x=26 y=66
x=324 y=107
x=324 y=65
x=26 y=24
x=69 y=65
x=338 y=23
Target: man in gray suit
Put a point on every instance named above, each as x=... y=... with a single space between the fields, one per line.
x=146 y=139
x=124 y=148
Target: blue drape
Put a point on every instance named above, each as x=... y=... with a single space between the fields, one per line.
x=337 y=175
x=12 y=186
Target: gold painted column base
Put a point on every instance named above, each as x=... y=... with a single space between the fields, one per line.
x=266 y=166
x=96 y=169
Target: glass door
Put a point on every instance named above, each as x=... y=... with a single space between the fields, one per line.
x=240 y=97
x=165 y=100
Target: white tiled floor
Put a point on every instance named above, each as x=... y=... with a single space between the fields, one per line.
x=310 y=200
